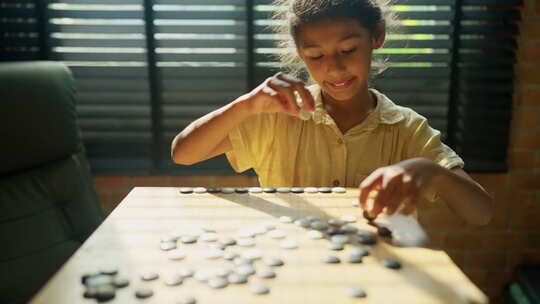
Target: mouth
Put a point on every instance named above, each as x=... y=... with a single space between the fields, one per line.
x=341 y=85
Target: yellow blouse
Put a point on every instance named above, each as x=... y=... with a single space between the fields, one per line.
x=286 y=151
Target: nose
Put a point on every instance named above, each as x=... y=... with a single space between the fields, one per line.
x=335 y=64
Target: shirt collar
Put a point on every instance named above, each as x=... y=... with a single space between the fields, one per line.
x=386 y=112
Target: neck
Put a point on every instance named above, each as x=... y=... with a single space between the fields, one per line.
x=360 y=105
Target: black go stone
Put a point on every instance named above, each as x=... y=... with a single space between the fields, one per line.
x=366 y=240
x=241 y=190
x=392 y=264
x=384 y=232
x=367 y=217
x=90 y=292
x=333 y=231
x=270 y=190
x=186 y=191
x=214 y=190
x=325 y=190
x=89 y=275
x=105 y=293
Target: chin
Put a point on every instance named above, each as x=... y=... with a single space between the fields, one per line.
x=342 y=96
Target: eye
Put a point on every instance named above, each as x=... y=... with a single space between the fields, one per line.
x=349 y=50
x=315 y=57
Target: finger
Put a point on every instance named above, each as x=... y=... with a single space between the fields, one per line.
x=366 y=186
x=412 y=194
x=394 y=195
x=273 y=93
x=384 y=197
x=308 y=103
x=285 y=89
x=409 y=205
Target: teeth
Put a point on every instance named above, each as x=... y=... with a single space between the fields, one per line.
x=339 y=84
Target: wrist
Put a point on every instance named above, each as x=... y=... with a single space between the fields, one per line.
x=243 y=105
x=440 y=174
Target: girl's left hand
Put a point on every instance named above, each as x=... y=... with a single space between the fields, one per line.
x=402 y=182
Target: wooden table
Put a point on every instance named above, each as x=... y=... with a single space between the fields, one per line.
x=130 y=238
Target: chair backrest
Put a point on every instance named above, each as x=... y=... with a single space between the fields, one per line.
x=48 y=204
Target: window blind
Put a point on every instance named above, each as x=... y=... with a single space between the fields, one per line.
x=145 y=69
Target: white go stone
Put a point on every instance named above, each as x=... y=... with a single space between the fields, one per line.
x=252 y=254
x=246 y=242
x=173 y=279
x=269 y=226
x=334 y=246
x=266 y=273
x=273 y=262
x=218 y=246
x=228 y=241
x=315 y=234
x=283 y=190
x=222 y=272
x=302 y=222
x=339 y=190
x=209 y=237
x=186 y=273
x=188 y=239
x=213 y=254
x=336 y=222
x=235 y=278
x=227 y=190
x=277 y=234
x=229 y=256
x=288 y=244
x=202 y=275
x=255 y=190
x=245 y=269
x=348 y=218
x=286 y=219
x=187 y=300
x=167 y=245
x=313 y=218
x=176 y=254
x=259 y=288
x=259 y=230
x=340 y=239
x=311 y=190
x=177 y=234
x=238 y=261
x=149 y=275
x=169 y=238
x=356 y=292
x=319 y=225
x=199 y=190
x=218 y=282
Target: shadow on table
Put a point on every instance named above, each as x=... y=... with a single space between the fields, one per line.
x=302 y=208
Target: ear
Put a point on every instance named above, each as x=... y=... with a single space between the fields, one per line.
x=379 y=35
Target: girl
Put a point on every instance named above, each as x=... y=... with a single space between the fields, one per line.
x=353 y=136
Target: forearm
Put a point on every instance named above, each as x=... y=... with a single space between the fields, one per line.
x=464 y=196
x=198 y=139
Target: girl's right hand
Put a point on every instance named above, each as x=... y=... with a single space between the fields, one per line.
x=276 y=95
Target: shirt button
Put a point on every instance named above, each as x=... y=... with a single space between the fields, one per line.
x=340 y=141
x=336 y=183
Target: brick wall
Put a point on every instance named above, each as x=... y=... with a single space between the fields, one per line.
x=487 y=255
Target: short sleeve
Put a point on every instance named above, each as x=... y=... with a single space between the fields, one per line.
x=250 y=140
x=426 y=142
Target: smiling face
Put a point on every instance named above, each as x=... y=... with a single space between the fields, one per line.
x=337 y=53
